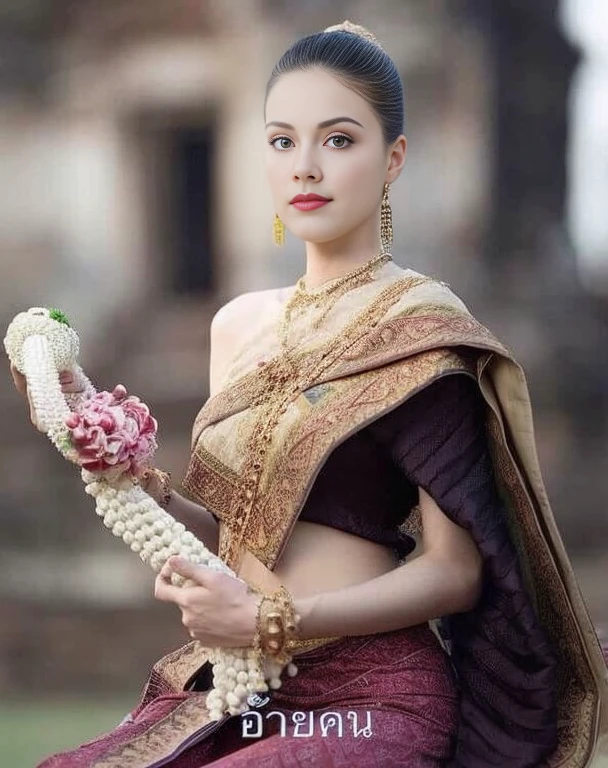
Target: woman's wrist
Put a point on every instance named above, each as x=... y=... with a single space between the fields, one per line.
x=157 y=484
x=305 y=608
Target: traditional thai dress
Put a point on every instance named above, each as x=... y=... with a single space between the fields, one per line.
x=385 y=385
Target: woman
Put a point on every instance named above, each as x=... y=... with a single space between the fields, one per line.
x=339 y=408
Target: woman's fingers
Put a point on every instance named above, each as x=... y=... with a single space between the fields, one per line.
x=66 y=379
x=68 y=383
x=21 y=385
x=19 y=381
x=33 y=413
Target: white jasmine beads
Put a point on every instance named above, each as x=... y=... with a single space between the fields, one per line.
x=40 y=346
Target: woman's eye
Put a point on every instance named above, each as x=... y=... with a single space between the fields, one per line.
x=345 y=141
x=279 y=138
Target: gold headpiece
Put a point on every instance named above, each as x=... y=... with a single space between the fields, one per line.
x=356 y=29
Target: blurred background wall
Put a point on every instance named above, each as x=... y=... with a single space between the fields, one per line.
x=133 y=196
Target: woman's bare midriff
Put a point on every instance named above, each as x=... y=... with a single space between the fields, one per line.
x=319 y=558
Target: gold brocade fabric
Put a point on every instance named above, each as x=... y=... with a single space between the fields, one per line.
x=259 y=443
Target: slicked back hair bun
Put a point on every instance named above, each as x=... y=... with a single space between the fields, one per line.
x=354 y=55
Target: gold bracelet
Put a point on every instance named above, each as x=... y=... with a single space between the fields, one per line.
x=291 y=619
x=277 y=625
x=164 y=481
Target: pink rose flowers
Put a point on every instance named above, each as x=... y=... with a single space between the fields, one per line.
x=112 y=433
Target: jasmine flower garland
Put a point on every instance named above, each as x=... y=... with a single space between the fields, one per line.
x=111 y=436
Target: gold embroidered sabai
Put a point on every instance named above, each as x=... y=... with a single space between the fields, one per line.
x=259 y=443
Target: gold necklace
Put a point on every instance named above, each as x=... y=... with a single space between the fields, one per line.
x=327 y=294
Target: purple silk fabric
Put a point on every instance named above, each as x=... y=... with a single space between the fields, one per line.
x=402 y=678
x=505 y=664
x=361 y=491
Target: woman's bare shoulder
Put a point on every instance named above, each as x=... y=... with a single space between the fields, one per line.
x=234 y=322
x=240 y=308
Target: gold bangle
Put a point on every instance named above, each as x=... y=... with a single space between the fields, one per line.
x=259 y=640
x=164 y=483
x=291 y=618
x=277 y=625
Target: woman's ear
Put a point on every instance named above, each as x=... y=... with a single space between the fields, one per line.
x=396 y=159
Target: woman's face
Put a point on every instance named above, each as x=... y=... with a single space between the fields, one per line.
x=345 y=161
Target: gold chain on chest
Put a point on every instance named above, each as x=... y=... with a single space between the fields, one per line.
x=281 y=381
x=326 y=297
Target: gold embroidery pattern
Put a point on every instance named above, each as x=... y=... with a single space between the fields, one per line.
x=274 y=389
x=347 y=408
x=210 y=479
x=220 y=488
x=577 y=704
x=346 y=405
x=170 y=674
x=223 y=404
x=162 y=738
x=178 y=666
x=328 y=294
x=252 y=386
x=412 y=331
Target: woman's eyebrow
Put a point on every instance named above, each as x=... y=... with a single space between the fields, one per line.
x=324 y=124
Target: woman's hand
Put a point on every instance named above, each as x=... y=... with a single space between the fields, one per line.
x=66 y=379
x=21 y=386
x=219 y=611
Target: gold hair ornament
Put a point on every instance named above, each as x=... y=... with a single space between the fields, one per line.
x=355 y=29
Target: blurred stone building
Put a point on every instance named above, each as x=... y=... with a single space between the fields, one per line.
x=133 y=196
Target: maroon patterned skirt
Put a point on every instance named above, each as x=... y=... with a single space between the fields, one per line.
x=386 y=699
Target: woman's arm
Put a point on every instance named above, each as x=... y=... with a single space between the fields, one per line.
x=197 y=519
x=444 y=579
x=438 y=440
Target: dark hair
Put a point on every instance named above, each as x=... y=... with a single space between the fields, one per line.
x=360 y=64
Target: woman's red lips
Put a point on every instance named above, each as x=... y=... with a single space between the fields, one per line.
x=308 y=198
x=309 y=202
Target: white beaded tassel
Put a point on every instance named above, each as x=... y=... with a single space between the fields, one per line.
x=151 y=532
x=44 y=389
x=155 y=536
x=40 y=347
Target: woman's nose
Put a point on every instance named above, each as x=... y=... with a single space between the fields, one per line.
x=307 y=174
x=306 y=168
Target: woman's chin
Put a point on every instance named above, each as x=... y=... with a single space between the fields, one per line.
x=314 y=234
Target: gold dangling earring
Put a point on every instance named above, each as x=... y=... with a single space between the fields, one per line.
x=386 y=222
x=278 y=231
